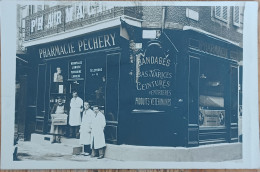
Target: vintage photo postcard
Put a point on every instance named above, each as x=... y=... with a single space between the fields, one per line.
x=133 y=84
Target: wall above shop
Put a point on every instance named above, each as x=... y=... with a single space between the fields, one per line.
x=65 y=18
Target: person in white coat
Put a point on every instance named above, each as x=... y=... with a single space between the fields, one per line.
x=76 y=107
x=98 y=143
x=85 y=128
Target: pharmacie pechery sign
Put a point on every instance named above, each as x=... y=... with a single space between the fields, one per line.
x=154 y=78
x=78 y=45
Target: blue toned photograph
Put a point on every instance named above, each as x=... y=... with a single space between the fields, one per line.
x=119 y=82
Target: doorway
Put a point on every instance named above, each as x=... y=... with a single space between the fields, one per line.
x=78 y=86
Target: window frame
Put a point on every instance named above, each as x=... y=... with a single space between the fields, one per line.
x=221 y=13
x=234 y=15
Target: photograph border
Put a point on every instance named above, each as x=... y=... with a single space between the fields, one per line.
x=250 y=122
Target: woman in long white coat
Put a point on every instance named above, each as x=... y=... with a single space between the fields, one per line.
x=85 y=129
x=97 y=133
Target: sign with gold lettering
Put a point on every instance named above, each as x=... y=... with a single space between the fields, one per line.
x=78 y=45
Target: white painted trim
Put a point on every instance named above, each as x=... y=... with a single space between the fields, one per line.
x=110 y=23
x=22 y=59
x=205 y=32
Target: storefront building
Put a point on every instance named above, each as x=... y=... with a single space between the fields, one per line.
x=155 y=86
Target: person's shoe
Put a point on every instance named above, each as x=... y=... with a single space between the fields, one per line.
x=59 y=140
x=93 y=156
x=100 y=157
x=54 y=141
x=86 y=154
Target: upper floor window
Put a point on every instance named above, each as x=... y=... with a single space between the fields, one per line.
x=236 y=16
x=221 y=12
x=31 y=9
x=39 y=7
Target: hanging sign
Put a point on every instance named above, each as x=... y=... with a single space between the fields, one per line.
x=76 y=70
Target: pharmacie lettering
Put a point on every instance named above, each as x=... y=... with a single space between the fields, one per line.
x=97 y=42
x=143 y=101
x=56 y=50
x=155 y=73
x=158 y=83
x=154 y=60
x=79 y=46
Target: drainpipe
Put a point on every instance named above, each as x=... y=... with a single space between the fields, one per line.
x=163 y=18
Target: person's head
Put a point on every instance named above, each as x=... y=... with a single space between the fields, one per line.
x=95 y=109
x=58 y=70
x=75 y=94
x=60 y=101
x=86 y=105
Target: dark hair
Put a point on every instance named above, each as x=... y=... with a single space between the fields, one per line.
x=75 y=91
x=95 y=106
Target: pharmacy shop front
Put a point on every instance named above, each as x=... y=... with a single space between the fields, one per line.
x=179 y=88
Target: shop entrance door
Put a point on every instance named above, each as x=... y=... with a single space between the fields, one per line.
x=41 y=90
x=77 y=86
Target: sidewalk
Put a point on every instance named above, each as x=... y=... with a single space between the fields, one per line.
x=41 y=149
x=28 y=151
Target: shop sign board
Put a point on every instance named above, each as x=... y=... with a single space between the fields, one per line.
x=208 y=47
x=57 y=16
x=82 y=44
x=211 y=118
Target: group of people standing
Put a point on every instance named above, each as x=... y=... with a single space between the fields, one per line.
x=88 y=123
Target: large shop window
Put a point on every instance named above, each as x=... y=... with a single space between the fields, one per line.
x=58 y=85
x=102 y=77
x=212 y=94
x=96 y=80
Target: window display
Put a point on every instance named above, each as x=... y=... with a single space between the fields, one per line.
x=58 y=75
x=212 y=94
